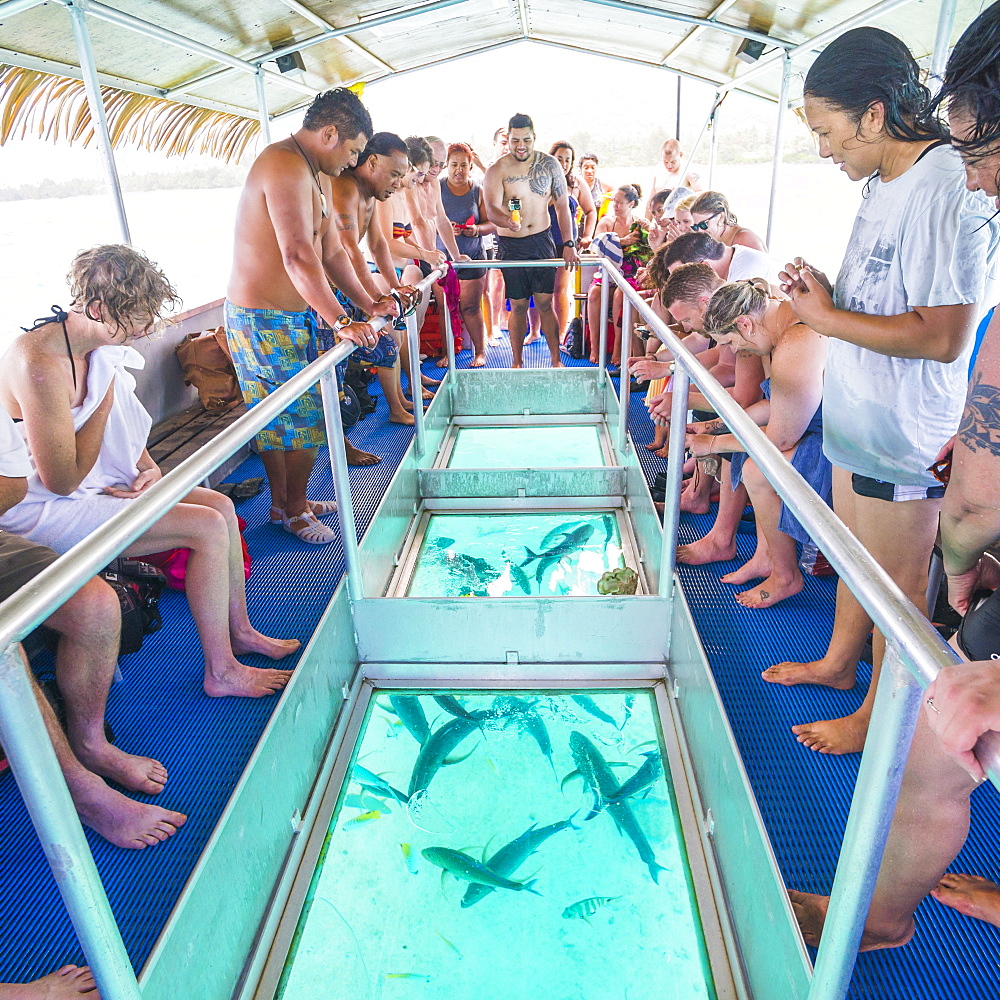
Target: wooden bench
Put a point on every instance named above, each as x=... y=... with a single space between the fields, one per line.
x=173 y=440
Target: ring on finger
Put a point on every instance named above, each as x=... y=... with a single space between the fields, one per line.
x=930 y=704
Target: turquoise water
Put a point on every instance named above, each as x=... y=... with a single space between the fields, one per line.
x=527 y=447
x=382 y=919
x=516 y=555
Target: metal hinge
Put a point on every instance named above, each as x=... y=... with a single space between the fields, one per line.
x=512 y=658
x=296 y=821
x=708 y=823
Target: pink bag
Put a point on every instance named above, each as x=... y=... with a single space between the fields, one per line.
x=172 y=563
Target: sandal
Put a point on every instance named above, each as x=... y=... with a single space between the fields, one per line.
x=311 y=530
x=320 y=508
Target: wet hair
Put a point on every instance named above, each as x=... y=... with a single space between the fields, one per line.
x=590 y=156
x=127 y=284
x=713 y=203
x=341 y=108
x=738 y=298
x=502 y=131
x=688 y=283
x=632 y=192
x=382 y=144
x=418 y=150
x=866 y=66
x=972 y=82
x=691 y=247
x=460 y=147
x=520 y=121
x=660 y=198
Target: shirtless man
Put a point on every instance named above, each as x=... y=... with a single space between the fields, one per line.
x=671 y=174
x=279 y=286
x=536 y=180
x=380 y=171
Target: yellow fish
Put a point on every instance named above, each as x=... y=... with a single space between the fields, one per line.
x=407 y=975
x=411 y=862
x=363 y=818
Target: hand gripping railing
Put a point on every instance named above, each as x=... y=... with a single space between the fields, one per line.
x=914 y=650
x=22 y=729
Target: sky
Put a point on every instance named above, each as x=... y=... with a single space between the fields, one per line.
x=466 y=99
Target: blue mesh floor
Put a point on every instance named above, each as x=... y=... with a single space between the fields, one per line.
x=160 y=709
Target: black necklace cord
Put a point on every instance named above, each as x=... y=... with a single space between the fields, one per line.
x=57 y=315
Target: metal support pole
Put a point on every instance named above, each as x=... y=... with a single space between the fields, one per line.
x=779 y=143
x=713 y=143
x=675 y=479
x=602 y=333
x=677 y=130
x=894 y=717
x=942 y=41
x=265 y=120
x=449 y=333
x=95 y=101
x=43 y=787
x=701 y=135
x=624 y=396
x=341 y=483
x=416 y=388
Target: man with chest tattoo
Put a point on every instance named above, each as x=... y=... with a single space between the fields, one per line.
x=518 y=189
x=379 y=174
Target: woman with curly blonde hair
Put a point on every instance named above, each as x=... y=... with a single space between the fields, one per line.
x=67 y=382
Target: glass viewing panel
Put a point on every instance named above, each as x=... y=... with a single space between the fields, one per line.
x=503 y=846
x=559 y=554
x=546 y=447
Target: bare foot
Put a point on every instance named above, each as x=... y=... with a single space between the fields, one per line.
x=119 y=819
x=426 y=394
x=658 y=446
x=592 y=360
x=835 y=736
x=355 y=456
x=517 y=364
x=532 y=338
x=427 y=380
x=256 y=642
x=770 y=592
x=442 y=362
x=823 y=672
x=407 y=405
x=63 y=984
x=706 y=550
x=695 y=503
x=238 y=680
x=402 y=417
x=810 y=911
x=137 y=774
x=753 y=569
x=557 y=364
x=663 y=452
x=479 y=361
x=972 y=895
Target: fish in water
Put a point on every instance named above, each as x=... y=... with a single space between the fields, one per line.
x=452 y=706
x=408 y=975
x=562 y=531
x=470 y=870
x=586 y=908
x=376 y=783
x=589 y=705
x=510 y=857
x=437 y=746
x=409 y=859
x=470 y=574
x=443 y=542
x=362 y=819
x=629 y=702
x=520 y=577
x=573 y=542
x=516 y=709
x=449 y=944
x=597 y=774
x=609 y=528
x=650 y=770
x=411 y=714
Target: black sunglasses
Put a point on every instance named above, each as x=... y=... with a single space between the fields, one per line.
x=703 y=225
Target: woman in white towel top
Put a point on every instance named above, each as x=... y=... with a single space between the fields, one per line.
x=67 y=383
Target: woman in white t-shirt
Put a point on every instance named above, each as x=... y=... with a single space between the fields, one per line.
x=911 y=289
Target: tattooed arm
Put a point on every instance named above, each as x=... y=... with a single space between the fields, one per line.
x=970 y=517
x=342 y=257
x=556 y=189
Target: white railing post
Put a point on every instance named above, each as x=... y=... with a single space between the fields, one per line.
x=416 y=387
x=779 y=144
x=602 y=332
x=265 y=119
x=675 y=477
x=624 y=382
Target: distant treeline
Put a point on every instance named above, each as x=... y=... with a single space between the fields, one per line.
x=220 y=176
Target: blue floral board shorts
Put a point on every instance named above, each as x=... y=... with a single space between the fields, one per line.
x=385 y=351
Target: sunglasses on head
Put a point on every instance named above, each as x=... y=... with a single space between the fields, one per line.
x=703 y=225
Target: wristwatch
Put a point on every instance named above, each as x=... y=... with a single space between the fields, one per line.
x=568 y=243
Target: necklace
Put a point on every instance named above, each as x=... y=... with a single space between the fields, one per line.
x=315 y=177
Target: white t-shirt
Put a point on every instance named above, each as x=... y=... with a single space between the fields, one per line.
x=750 y=263
x=14 y=460
x=919 y=240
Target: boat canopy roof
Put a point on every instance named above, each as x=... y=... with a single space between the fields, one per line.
x=180 y=76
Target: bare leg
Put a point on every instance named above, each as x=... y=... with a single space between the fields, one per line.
x=388 y=380
x=472 y=316
x=518 y=321
x=114 y=816
x=442 y=303
x=697 y=496
x=594 y=321
x=928 y=830
x=879 y=528
x=719 y=545
x=534 y=324
x=216 y=597
x=288 y=475
x=851 y=623
x=550 y=327
x=63 y=984
x=496 y=295
x=757 y=567
x=88 y=625
x=616 y=317
x=784 y=578
x=559 y=300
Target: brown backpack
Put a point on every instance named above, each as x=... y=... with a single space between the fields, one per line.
x=208 y=366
